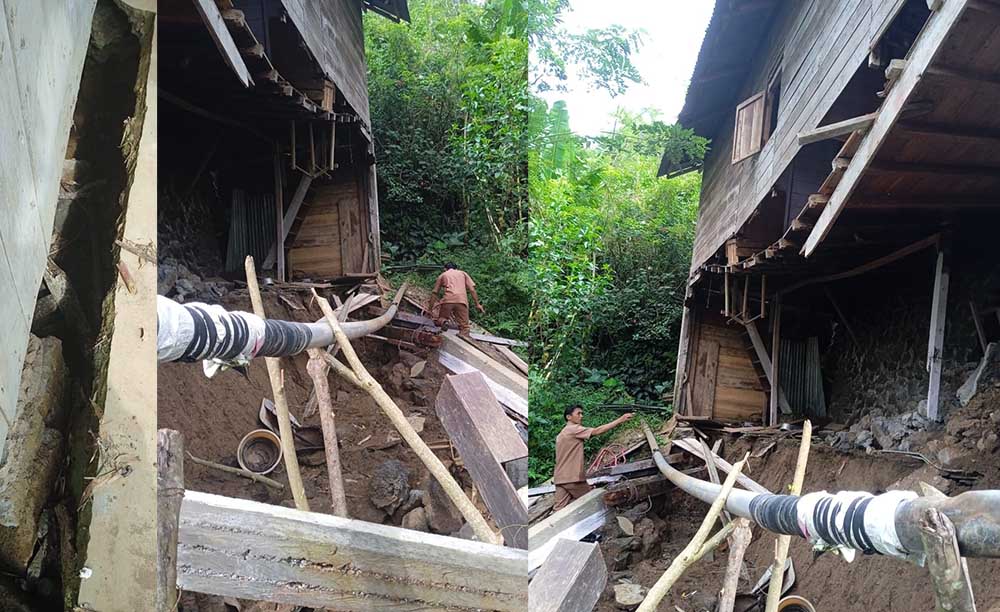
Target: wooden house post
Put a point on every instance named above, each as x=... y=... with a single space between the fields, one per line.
x=775 y=355
x=935 y=345
x=279 y=212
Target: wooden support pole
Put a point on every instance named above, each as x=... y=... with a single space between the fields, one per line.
x=949 y=570
x=697 y=547
x=245 y=549
x=277 y=377
x=690 y=446
x=713 y=475
x=843 y=319
x=978 y=322
x=777 y=569
x=169 y=495
x=935 y=345
x=279 y=215
x=317 y=369
x=775 y=358
x=738 y=543
x=359 y=376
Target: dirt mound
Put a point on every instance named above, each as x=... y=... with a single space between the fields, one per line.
x=876 y=583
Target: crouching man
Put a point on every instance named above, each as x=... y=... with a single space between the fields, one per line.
x=570 y=475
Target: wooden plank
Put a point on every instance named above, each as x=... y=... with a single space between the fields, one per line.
x=922 y=54
x=935 y=345
x=841 y=128
x=293 y=211
x=765 y=363
x=692 y=446
x=169 y=495
x=485 y=439
x=210 y=14
x=240 y=548
x=706 y=368
x=490 y=368
x=775 y=365
x=582 y=516
x=978 y=322
x=279 y=207
x=514 y=359
x=572 y=579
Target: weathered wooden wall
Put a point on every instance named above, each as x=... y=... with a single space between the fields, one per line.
x=819 y=45
x=42 y=49
x=332 y=30
x=333 y=234
x=723 y=381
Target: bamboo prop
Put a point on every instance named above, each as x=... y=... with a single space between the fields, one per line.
x=698 y=546
x=276 y=375
x=342 y=312
x=359 y=377
x=949 y=570
x=318 y=369
x=264 y=480
x=781 y=547
x=738 y=543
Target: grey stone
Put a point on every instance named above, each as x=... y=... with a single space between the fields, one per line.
x=988 y=370
x=33 y=451
x=416 y=519
x=628 y=596
x=950 y=456
x=922 y=408
x=389 y=486
x=864 y=439
x=442 y=515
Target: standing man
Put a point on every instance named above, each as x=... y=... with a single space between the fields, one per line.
x=570 y=475
x=455 y=304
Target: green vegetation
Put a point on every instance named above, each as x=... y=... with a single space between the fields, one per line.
x=610 y=246
x=449 y=106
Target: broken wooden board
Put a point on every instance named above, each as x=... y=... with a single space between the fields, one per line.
x=485 y=439
x=511 y=398
x=546 y=489
x=240 y=548
x=572 y=580
x=514 y=359
x=581 y=517
x=693 y=447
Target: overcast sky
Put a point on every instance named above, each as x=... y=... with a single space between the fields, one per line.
x=673 y=33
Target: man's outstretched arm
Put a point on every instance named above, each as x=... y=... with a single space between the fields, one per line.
x=609 y=426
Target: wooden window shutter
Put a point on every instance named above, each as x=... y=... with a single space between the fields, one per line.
x=748 y=135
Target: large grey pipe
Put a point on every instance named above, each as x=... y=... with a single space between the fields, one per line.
x=195 y=332
x=975 y=514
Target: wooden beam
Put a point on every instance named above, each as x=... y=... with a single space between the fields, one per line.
x=245 y=549
x=293 y=211
x=980 y=332
x=962 y=74
x=485 y=439
x=927 y=46
x=871 y=265
x=885 y=167
x=572 y=579
x=279 y=205
x=935 y=345
x=213 y=19
x=212 y=116
x=765 y=363
x=952 y=132
x=691 y=446
x=841 y=128
x=582 y=516
x=775 y=359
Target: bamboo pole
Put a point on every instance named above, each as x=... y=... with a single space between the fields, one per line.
x=698 y=546
x=781 y=553
x=318 y=369
x=264 y=480
x=276 y=375
x=738 y=543
x=359 y=376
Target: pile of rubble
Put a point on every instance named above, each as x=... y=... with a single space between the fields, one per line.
x=177 y=282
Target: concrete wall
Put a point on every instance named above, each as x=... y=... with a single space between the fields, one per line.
x=42 y=48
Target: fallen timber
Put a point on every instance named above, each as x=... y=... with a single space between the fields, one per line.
x=195 y=331
x=240 y=548
x=887 y=524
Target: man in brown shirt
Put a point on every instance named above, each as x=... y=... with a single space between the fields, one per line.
x=454 y=304
x=570 y=475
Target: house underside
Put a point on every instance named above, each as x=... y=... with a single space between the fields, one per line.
x=267 y=139
x=878 y=218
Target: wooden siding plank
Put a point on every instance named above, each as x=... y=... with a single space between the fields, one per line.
x=239 y=548
x=925 y=49
x=706 y=370
x=333 y=32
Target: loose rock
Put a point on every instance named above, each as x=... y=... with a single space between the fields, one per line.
x=389 y=486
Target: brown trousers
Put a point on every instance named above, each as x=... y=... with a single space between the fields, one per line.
x=567 y=492
x=458 y=312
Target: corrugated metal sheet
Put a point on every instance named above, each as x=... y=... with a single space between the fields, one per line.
x=252 y=228
x=801 y=376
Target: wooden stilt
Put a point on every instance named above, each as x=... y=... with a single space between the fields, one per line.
x=775 y=357
x=935 y=346
x=169 y=495
x=279 y=205
x=774 y=589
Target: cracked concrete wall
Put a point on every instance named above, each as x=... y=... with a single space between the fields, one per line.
x=42 y=50
x=121 y=554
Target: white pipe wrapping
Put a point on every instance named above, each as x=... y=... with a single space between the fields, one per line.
x=195 y=331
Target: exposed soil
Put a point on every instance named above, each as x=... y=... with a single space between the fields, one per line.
x=878 y=584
